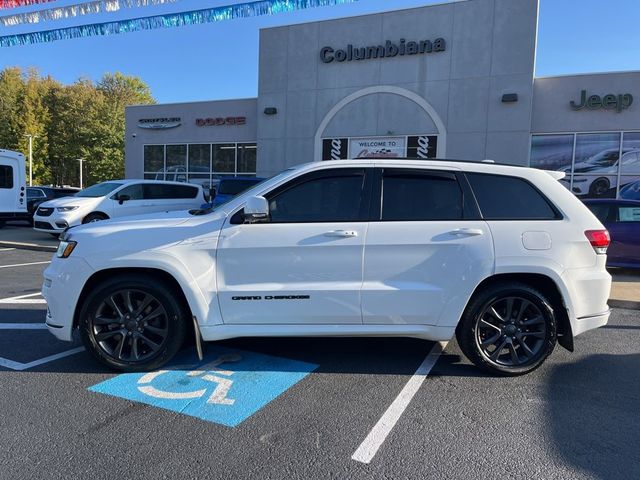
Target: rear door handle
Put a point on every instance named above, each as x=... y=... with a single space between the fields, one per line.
x=341 y=233
x=466 y=232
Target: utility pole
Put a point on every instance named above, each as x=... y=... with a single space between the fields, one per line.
x=31 y=137
x=81 y=160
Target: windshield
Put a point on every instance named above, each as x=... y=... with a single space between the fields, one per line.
x=235 y=186
x=604 y=159
x=99 y=190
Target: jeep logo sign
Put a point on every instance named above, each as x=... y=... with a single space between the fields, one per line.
x=388 y=50
x=608 y=102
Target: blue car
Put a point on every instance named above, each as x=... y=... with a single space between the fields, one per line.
x=622 y=219
x=230 y=187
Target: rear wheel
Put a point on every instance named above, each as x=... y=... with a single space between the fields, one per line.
x=508 y=329
x=132 y=323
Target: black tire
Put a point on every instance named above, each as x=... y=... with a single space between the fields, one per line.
x=526 y=326
x=599 y=187
x=132 y=337
x=94 y=217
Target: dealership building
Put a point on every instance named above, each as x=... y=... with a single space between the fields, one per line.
x=453 y=80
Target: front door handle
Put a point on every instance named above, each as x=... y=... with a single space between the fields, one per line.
x=466 y=232
x=341 y=233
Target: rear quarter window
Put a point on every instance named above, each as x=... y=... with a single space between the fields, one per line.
x=153 y=191
x=501 y=197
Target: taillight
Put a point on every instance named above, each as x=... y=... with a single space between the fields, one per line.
x=599 y=240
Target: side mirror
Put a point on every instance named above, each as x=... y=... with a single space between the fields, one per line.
x=256 y=209
x=123 y=198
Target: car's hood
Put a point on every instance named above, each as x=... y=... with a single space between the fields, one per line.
x=69 y=202
x=144 y=232
x=584 y=167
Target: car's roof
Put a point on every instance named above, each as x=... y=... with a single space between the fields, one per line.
x=140 y=180
x=488 y=166
x=230 y=179
x=619 y=201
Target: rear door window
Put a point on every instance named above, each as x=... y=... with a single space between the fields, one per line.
x=501 y=197
x=157 y=191
x=6 y=176
x=420 y=196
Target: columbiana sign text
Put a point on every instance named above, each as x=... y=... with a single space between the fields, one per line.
x=388 y=50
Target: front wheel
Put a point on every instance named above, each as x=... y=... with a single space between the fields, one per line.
x=508 y=329
x=94 y=217
x=132 y=323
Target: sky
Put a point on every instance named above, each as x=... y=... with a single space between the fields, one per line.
x=220 y=60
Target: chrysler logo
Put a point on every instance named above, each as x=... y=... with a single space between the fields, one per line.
x=159 y=123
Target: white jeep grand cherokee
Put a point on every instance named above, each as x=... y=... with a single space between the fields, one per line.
x=504 y=257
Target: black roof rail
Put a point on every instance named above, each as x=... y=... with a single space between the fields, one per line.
x=484 y=162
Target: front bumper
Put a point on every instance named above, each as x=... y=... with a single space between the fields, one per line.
x=63 y=283
x=56 y=222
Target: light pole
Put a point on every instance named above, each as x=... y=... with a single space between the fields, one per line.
x=81 y=160
x=31 y=137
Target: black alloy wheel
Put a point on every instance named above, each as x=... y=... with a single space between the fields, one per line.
x=511 y=331
x=132 y=325
x=508 y=329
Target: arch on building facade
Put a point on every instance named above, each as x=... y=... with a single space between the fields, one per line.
x=421 y=102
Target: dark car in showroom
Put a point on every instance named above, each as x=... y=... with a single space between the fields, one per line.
x=38 y=195
x=622 y=219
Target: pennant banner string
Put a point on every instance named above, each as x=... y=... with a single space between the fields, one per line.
x=194 y=17
x=77 y=10
x=21 y=3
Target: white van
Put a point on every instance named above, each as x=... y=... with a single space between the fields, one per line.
x=13 y=198
x=113 y=199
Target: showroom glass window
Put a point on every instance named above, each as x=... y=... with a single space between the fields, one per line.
x=598 y=165
x=247 y=154
x=154 y=162
x=224 y=159
x=630 y=166
x=201 y=163
x=6 y=176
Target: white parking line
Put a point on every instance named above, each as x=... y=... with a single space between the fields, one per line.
x=23 y=326
x=13 y=365
x=368 y=449
x=24 y=299
x=23 y=264
x=6 y=249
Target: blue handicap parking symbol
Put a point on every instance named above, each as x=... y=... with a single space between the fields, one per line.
x=227 y=387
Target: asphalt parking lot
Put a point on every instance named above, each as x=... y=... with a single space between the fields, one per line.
x=574 y=418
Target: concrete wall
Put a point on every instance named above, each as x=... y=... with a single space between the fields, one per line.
x=552 y=111
x=188 y=131
x=490 y=51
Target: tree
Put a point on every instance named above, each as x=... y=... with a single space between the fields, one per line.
x=81 y=120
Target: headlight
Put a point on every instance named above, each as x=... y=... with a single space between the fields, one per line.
x=66 y=209
x=65 y=248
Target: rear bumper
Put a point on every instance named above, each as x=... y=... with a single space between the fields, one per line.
x=581 y=325
x=588 y=290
